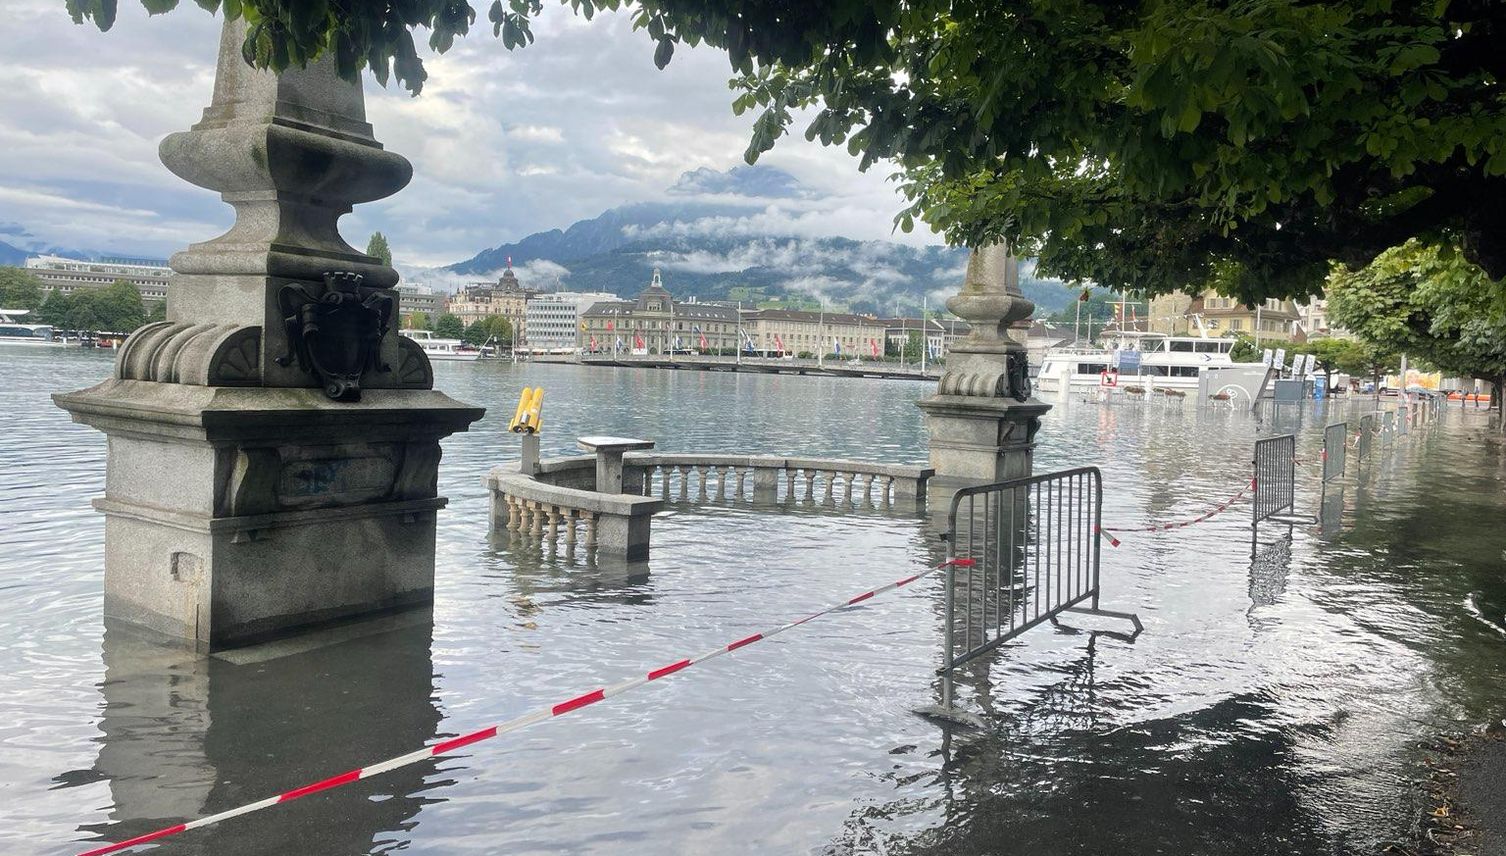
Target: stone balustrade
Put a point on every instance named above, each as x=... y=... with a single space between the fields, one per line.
x=559 y=505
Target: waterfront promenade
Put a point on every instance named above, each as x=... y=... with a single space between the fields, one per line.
x=755 y=365
x=1305 y=680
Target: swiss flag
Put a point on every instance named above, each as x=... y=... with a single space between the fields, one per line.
x=637 y=341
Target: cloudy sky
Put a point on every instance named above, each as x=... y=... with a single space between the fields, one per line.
x=503 y=143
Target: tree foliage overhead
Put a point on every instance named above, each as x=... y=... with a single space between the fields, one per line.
x=1141 y=143
x=1429 y=303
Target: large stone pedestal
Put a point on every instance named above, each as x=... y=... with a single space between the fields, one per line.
x=274 y=444
x=238 y=514
x=982 y=420
x=977 y=442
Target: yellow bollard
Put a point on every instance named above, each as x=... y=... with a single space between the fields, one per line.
x=535 y=411
x=519 y=422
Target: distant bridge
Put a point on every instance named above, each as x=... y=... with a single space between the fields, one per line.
x=758 y=365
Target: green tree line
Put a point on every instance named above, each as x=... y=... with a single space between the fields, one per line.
x=116 y=308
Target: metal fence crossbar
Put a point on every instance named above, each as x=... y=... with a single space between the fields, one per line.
x=1275 y=475
x=1335 y=450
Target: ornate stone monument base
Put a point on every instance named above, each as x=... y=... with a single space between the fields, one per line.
x=982 y=420
x=274 y=444
x=238 y=514
x=977 y=442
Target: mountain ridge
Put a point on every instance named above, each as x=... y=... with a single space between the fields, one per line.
x=741 y=233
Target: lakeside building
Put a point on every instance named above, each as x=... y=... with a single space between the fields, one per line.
x=506 y=297
x=1315 y=322
x=799 y=331
x=419 y=298
x=654 y=323
x=554 y=318
x=1180 y=314
x=940 y=333
x=65 y=276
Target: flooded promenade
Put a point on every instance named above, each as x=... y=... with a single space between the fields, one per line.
x=1271 y=706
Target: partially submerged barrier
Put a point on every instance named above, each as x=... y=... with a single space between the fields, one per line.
x=1275 y=476
x=1032 y=554
x=1335 y=450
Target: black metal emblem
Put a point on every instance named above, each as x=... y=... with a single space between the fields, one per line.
x=1019 y=376
x=335 y=331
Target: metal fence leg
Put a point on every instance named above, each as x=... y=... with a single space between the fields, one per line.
x=946 y=644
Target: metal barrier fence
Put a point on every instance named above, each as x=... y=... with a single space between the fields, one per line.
x=1388 y=425
x=1335 y=450
x=1367 y=430
x=1275 y=475
x=1034 y=548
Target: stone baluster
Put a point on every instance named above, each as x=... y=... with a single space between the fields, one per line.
x=884 y=496
x=847 y=488
x=831 y=479
x=536 y=519
x=684 y=483
x=553 y=513
x=514 y=516
x=702 y=471
x=570 y=515
x=664 y=473
x=590 y=517
x=742 y=479
x=810 y=486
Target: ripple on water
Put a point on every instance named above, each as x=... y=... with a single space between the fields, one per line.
x=1269 y=707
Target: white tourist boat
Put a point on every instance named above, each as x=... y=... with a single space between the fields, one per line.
x=443 y=349
x=15 y=331
x=1132 y=358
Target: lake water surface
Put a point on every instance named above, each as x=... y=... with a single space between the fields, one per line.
x=1271 y=706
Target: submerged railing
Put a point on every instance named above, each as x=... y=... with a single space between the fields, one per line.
x=1275 y=476
x=1335 y=450
x=1032 y=547
x=558 y=501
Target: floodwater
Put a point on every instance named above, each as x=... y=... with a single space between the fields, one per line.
x=1271 y=706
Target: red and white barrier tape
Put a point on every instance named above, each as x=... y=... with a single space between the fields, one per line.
x=1108 y=534
x=445 y=747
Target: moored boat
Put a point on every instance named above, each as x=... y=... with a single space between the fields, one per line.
x=14 y=331
x=443 y=349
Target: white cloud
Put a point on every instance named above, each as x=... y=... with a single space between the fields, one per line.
x=503 y=143
x=536 y=133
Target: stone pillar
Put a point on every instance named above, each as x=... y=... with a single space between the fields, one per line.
x=982 y=420
x=274 y=445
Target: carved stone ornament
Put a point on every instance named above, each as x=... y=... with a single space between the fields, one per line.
x=1019 y=376
x=335 y=331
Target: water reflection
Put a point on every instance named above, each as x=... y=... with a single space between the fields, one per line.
x=1229 y=726
x=182 y=737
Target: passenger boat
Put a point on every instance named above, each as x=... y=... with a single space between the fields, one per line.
x=15 y=331
x=443 y=349
x=1151 y=360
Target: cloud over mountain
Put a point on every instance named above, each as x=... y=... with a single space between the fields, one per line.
x=753 y=233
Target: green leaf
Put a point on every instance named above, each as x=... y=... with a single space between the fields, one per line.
x=663 y=52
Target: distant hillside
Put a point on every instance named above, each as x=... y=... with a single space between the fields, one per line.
x=736 y=235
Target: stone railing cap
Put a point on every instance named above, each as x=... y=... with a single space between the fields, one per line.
x=612 y=444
